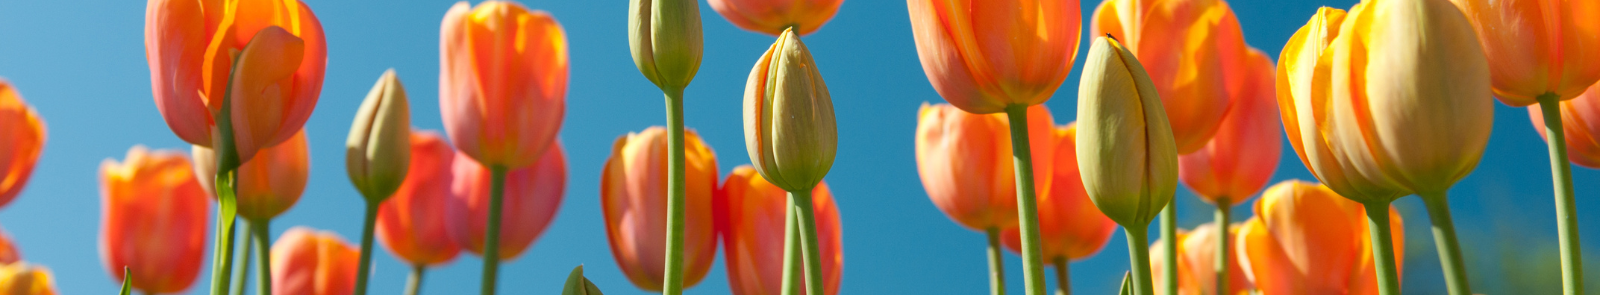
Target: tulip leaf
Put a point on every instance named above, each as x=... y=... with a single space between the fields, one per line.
x=579 y=285
x=1127 y=284
x=127 y=281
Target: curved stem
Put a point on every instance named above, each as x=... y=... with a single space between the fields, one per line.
x=364 y=270
x=222 y=249
x=1027 y=208
x=997 y=270
x=1063 y=278
x=1221 y=266
x=1139 y=258
x=241 y=279
x=808 y=234
x=675 y=190
x=261 y=235
x=1444 y=238
x=1169 y=231
x=1382 y=248
x=414 y=282
x=1566 y=208
x=791 y=249
x=491 y=240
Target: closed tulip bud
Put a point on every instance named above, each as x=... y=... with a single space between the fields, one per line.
x=665 y=38
x=502 y=81
x=378 y=151
x=1125 y=147
x=268 y=184
x=1197 y=250
x=1537 y=47
x=24 y=278
x=1242 y=156
x=8 y=249
x=1070 y=227
x=153 y=220
x=965 y=163
x=788 y=117
x=751 y=213
x=1581 y=116
x=633 y=197
x=412 y=223
x=311 y=262
x=982 y=56
x=24 y=134
x=1306 y=239
x=773 y=16
x=532 y=195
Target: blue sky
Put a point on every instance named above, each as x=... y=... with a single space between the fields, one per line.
x=82 y=65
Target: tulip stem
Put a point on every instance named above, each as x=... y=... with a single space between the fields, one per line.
x=240 y=280
x=997 y=272
x=791 y=249
x=1382 y=248
x=1169 y=250
x=1027 y=208
x=675 y=191
x=1139 y=256
x=1063 y=279
x=1566 y=208
x=261 y=235
x=414 y=282
x=1444 y=237
x=1224 y=210
x=227 y=203
x=364 y=270
x=491 y=240
x=808 y=233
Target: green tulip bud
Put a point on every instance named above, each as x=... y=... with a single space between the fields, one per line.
x=664 y=36
x=788 y=117
x=1126 y=152
x=378 y=151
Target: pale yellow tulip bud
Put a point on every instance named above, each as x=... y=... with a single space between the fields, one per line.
x=1126 y=153
x=378 y=150
x=666 y=41
x=788 y=117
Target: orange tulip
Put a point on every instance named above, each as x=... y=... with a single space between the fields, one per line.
x=1070 y=226
x=192 y=47
x=532 y=195
x=1197 y=255
x=984 y=55
x=751 y=214
x=412 y=222
x=8 y=249
x=153 y=220
x=1581 y=116
x=1537 y=47
x=310 y=262
x=23 y=132
x=502 y=81
x=965 y=163
x=633 y=197
x=23 y=278
x=1306 y=239
x=772 y=16
x=1242 y=156
x=266 y=185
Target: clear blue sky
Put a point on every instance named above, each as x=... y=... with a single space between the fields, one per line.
x=81 y=63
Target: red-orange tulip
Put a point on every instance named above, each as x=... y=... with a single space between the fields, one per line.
x=266 y=185
x=633 y=197
x=1581 y=116
x=1070 y=226
x=772 y=16
x=1242 y=156
x=984 y=55
x=23 y=278
x=532 y=195
x=8 y=249
x=153 y=220
x=1536 y=47
x=310 y=262
x=412 y=222
x=965 y=163
x=1197 y=256
x=502 y=81
x=23 y=133
x=192 y=47
x=1186 y=46
x=751 y=214
x=1306 y=239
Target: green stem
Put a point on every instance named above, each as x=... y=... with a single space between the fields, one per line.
x=1382 y=248
x=414 y=282
x=1566 y=208
x=1444 y=238
x=1027 y=212
x=1139 y=258
x=1169 y=250
x=997 y=271
x=364 y=270
x=1224 y=206
x=675 y=190
x=240 y=280
x=227 y=203
x=1063 y=278
x=262 y=236
x=791 y=249
x=808 y=234
x=491 y=240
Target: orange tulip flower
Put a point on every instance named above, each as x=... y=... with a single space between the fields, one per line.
x=751 y=214
x=1071 y=228
x=965 y=163
x=1242 y=156
x=1197 y=255
x=23 y=132
x=1537 y=47
x=772 y=16
x=268 y=184
x=192 y=47
x=532 y=195
x=24 y=278
x=8 y=249
x=1306 y=239
x=1581 y=116
x=153 y=220
x=412 y=222
x=984 y=55
x=633 y=197
x=310 y=262
x=502 y=81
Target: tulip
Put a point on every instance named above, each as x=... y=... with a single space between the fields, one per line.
x=1579 y=113
x=8 y=249
x=153 y=220
x=377 y=154
x=633 y=198
x=750 y=212
x=773 y=16
x=1305 y=239
x=24 y=278
x=311 y=262
x=1196 y=256
x=411 y=224
x=983 y=56
x=665 y=39
x=1583 y=113
x=502 y=81
x=1070 y=227
x=1537 y=47
x=24 y=134
x=532 y=196
x=269 y=184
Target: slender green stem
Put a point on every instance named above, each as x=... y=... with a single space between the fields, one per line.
x=414 y=282
x=240 y=279
x=1139 y=258
x=222 y=250
x=1444 y=237
x=260 y=233
x=675 y=189
x=1382 y=248
x=1566 y=208
x=491 y=240
x=1063 y=278
x=1169 y=250
x=1224 y=206
x=791 y=249
x=808 y=234
x=1027 y=208
x=364 y=271
x=997 y=270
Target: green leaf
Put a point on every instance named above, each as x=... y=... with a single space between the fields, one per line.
x=579 y=285
x=1127 y=283
x=127 y=281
